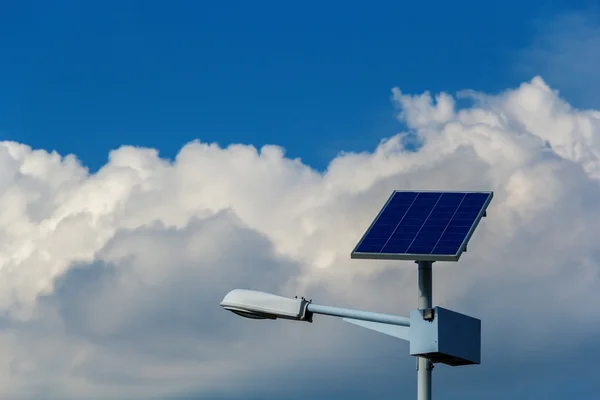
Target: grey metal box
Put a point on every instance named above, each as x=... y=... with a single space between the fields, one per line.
x=451 y=338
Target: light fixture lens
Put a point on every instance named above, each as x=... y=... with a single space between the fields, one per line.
x=250 y=315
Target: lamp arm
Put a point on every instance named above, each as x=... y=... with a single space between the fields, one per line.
x=387 y=319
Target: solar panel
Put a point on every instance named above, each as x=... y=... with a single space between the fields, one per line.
x=424 y=225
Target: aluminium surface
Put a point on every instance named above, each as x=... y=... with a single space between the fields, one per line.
x=423 y=226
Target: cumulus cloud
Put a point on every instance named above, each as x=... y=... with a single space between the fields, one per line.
x=111 y=281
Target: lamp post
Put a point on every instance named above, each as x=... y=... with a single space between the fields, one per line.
x=423 y=227
x=424 y=365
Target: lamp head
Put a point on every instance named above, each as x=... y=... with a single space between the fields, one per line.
x=259 y=305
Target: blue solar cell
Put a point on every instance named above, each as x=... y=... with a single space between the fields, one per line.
x=418 y=225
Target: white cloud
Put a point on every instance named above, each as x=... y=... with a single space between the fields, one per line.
x=110 y=282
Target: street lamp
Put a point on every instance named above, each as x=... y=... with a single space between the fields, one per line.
x=424 y=227
x=259 y=305
x=424 y=329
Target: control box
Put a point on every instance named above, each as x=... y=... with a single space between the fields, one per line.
x=445 y=336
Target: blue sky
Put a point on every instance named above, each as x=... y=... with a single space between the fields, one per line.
x=85 y=77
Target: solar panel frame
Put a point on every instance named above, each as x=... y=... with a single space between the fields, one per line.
x=417 y=256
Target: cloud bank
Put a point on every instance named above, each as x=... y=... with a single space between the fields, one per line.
x=110 y=282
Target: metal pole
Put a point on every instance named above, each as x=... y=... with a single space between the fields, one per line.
x=360 y=315
x=424 y=366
